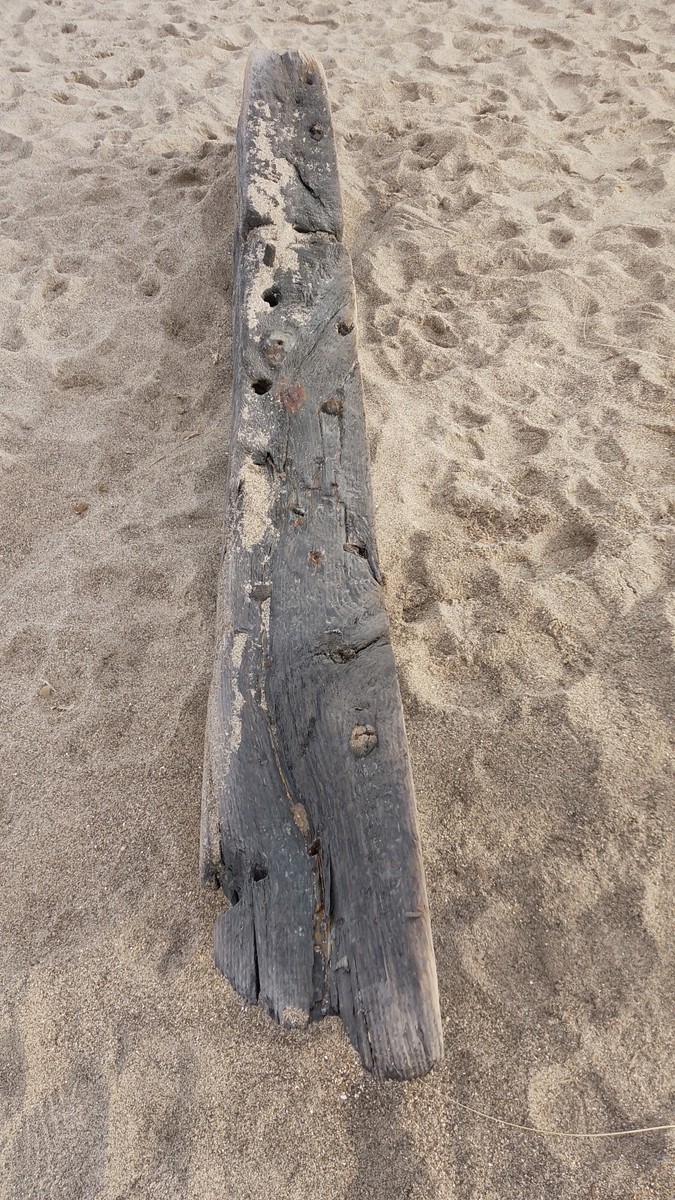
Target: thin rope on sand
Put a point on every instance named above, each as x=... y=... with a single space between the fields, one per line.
x=610 y=1133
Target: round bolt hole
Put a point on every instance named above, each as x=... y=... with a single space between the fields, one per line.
x=260 y=386
x=344 y=327
x=258 y=872
x=272 y=296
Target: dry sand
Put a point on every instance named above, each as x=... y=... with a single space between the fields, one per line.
x=509 y=179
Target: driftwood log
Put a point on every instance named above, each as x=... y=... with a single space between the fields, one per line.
x=308 y=818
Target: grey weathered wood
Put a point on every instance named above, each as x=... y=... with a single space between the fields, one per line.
x=308 y=819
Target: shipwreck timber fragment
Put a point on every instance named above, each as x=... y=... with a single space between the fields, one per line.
x=308 y=818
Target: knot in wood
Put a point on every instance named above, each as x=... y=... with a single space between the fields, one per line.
x=362 y=740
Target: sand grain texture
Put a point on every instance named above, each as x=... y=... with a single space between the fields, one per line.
x=507 y=173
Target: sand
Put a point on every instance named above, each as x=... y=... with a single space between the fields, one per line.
x=508 y=179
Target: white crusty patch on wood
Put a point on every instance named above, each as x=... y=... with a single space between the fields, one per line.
x=266 y=190
x=266 y=186
x=238 y=645
x=256 y=485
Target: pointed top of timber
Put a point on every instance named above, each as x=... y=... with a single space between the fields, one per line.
x=291 y=176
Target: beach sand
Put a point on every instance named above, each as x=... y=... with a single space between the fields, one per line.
x=508 y=179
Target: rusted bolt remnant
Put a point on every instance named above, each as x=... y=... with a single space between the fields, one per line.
x=332 y=407
x=362 y=740
x=274 y=350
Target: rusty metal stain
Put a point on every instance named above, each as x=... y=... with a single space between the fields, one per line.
x=292 y=396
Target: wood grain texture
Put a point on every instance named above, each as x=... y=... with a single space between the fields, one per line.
x=308 y=818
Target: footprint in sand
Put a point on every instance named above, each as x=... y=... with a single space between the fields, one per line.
x=530 y=440
x=13 y=148
x=62 y=1137
x=608 y=450
x=149 y=285
x=438 y=331
x=473 y=419
x=570 y=545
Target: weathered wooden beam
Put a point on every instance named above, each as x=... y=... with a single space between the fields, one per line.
x=308 y=818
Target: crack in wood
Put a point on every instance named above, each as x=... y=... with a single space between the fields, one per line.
x=310 y=189
x=339 y=650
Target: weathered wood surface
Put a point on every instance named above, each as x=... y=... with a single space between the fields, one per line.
x=308 y=819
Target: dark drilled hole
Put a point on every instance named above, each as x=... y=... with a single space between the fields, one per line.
x=260 y=386
x=272 y=296
x=254 y=220
x=258 y=873
x=344 y=328
x=260 y=592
